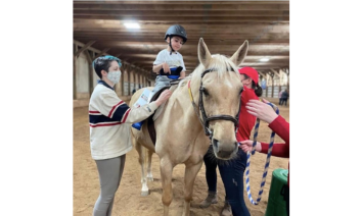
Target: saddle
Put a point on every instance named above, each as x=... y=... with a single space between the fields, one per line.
x=150 y=120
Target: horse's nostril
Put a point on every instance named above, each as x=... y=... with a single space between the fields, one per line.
x=215 y=143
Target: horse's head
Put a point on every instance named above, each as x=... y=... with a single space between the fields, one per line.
x=219 y=97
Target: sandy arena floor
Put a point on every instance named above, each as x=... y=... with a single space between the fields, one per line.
x=128 y=200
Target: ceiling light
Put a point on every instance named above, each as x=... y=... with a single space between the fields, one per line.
x=264 y=59
x=132 y=25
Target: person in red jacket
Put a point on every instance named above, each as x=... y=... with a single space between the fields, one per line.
x=233 y=171
x=277 y=124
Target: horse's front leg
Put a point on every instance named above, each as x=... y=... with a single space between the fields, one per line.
x=190 y=175
x=166 y=175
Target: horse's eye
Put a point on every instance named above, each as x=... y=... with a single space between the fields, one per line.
x=206 y=93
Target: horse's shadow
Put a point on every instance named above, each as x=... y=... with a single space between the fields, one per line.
x=156 y=179
x=156 y=190
x=159 y=190
x=159 y=180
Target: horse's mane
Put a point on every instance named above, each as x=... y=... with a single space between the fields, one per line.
x=221 y=63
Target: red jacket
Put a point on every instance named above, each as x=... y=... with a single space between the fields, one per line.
x=246 y=120
x=280 y=127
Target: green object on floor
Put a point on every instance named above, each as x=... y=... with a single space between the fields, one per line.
x=276 y=204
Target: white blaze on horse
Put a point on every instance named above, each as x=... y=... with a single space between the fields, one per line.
x=184 y=132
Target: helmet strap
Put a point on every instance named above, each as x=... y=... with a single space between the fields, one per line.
x=172 y=50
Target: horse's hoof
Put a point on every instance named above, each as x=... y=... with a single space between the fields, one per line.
x=144 y=193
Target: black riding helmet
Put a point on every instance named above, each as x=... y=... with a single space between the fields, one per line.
x=176 y=30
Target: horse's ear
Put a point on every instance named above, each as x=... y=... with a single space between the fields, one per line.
x=203 y=52
x=240 y=54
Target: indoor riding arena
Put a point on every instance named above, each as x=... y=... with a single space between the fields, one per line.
x=134 y=32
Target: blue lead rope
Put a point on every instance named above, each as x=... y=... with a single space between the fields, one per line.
x=247 y=181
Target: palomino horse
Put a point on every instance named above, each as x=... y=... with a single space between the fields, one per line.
x=215 y=88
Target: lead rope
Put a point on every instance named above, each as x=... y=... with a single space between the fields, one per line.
x=270 y=148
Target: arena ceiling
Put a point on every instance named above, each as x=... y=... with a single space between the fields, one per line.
x=224 y=25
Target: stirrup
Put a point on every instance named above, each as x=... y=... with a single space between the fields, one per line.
x=138 y=125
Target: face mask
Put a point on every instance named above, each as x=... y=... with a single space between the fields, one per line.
x=114 y=76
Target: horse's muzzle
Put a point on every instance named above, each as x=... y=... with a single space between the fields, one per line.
x=224 y=151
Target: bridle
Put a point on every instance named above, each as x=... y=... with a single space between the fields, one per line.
x=204 y=119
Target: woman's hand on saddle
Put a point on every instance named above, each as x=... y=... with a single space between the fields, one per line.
x=261 y=110
x=166 y=68
x=165 y=95
x=247 y=145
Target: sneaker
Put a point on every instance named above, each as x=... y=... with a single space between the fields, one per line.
x=226 y=210
x=137 y=125
x=210 y=199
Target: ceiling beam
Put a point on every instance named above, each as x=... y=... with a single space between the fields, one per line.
x=275 y=72
x=216 y=29
x=182 y=6
x=211 y=46
x=172 y=21
x=183 y=18
x=147 y=2
x=85 y=47
x=104 y=51
x=242 y=28
x=193 y=52
x=216 y=39
x=178 y=13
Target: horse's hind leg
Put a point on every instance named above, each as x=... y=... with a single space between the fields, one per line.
x=166 y=176
x=149 y=172
x=144 y=190
x=190 y=175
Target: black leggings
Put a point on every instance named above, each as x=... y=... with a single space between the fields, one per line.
x=232 y=173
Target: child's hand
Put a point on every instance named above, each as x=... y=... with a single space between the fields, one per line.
x=247 y=145
x=166 y=68
x=182 y=75
x=165 y=95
